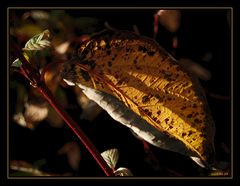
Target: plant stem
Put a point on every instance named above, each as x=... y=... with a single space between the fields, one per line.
x=75 y=128
x=35 y=78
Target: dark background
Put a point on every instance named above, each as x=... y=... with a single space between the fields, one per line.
x=200 y=31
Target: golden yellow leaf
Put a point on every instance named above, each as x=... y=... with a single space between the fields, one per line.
x=150 y=82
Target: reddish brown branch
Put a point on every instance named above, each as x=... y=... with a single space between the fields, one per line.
x=75 y=128
x=34 y=77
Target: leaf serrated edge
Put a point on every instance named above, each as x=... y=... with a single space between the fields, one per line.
x=111 y=157
x=92 y=74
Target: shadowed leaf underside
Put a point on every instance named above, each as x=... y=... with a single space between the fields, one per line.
x=143 y=76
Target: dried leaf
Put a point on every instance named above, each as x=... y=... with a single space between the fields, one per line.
x=26 y=169
x=123 y=172
x=72 y=150
x=19 y=119
x=111 y=157
x=118 y=111
x=170 y=19
x=62 y=48
x=144 y=77
x=35 y=113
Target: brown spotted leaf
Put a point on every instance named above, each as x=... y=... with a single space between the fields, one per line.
x=143 y=76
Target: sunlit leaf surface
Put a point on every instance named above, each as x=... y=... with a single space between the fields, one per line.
x=123 y=172
x=111 y=157
x=143 y=76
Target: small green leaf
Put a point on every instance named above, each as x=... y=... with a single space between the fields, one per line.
x=16 y=63
x=38 y=42
x=111 y=157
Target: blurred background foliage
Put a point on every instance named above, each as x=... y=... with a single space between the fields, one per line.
x=42 y=145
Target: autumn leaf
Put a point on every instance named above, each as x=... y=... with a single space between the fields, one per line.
x=123 y=172
x=35 y=112
x=24 y=168
x=143 y=130
x=170 y=19
x=148 y=81
x=72 y=150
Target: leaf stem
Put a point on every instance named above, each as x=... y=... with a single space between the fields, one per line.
x=75 y=128
x=34 y=77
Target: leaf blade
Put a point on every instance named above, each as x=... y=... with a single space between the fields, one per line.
x=122 y=171
x=111 y=157
x=150 y=82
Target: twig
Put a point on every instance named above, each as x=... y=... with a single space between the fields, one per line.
x=35 y=79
